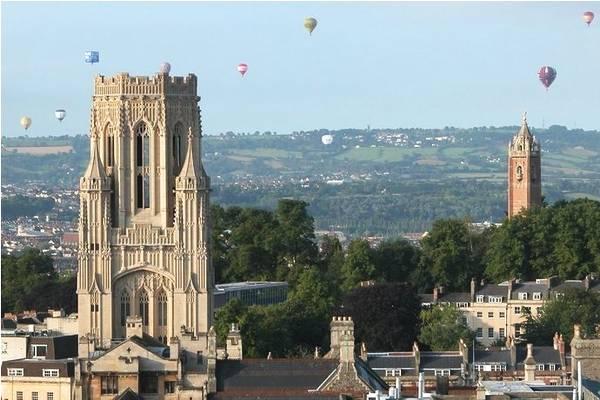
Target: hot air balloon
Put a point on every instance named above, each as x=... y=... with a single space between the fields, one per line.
x=326 y=139
x=92 y=57
x=60 y=114
x=165 y=68
x=547 y=76
x=588 y=17
x=26 y=122
x=242 y=69
x=310 y=24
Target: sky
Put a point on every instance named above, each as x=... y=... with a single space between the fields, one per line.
x=383 y=64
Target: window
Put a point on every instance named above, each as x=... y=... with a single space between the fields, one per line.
x=50 y=372
x=490 y=332
x=540 y=367
x=148 y=383
x=498 y=367
x=523 y=296
x=142 y=146
x=143 y=191
x=502 y=314
x=34 y=396
x=490 y=314
x=14 y=371
x=50 y=396
x=526 y=310
x=125 y=307
x=39 y=351
x=501 y=333
x=442 y=372
x=144 y=308
x=479 y=332
x=495 y=299
x=552 y=367
x=538 y=310
x=109 y=146
x=170 y=386
x=462 y=305
x=479 y=314
x=517 y=310
x=19 y=395
x=537 y=296
x=162 y=309
x=559 y=295
x=109 y=385
x=177 y=149
x=480 y=298
x=517 y=330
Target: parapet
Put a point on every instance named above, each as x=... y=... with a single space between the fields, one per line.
x=161 y=84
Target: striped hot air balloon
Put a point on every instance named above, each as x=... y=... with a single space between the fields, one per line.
x=588 y=17
x=242 y=69
x=547 y=75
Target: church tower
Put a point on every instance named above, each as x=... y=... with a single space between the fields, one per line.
x=524 y=171
x=144 y=231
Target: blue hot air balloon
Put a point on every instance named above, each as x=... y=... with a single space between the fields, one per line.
x=92 y=57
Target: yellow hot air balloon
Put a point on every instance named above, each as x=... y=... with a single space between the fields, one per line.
x=310 y=24
x=26 y=122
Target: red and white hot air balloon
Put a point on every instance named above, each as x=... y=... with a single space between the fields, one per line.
x=242 y=69
x=588 y=17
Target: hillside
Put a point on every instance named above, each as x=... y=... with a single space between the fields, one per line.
x=381 y=181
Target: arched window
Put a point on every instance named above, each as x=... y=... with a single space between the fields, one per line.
x=144 y=307
x=109 y=147
x=177 y=148
x=519 y=172
x=142 y=145
x=162 y=309
x=142 y=160
x=125 y=307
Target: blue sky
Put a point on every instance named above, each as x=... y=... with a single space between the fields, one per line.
x=379 y=64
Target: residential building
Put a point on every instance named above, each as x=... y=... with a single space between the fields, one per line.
x=46 y=373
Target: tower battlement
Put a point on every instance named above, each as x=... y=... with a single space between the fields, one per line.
x=159 y=84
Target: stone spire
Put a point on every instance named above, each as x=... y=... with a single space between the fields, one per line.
x=188 y=169
x=95 y=168
x=524 y=131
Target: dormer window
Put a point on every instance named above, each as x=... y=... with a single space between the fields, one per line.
x=537 y=296
x=480 y=298
x=495 y=299
x=522 y=296
x=39 y=351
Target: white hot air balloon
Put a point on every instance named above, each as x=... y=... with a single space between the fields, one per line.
x=327 y=139
x=165 y=68
x=60 y=114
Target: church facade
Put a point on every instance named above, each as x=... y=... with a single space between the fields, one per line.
x=145 y=280
x=524 y=171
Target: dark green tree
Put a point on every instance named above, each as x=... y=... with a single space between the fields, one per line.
x=358 y=265
x=442 y=327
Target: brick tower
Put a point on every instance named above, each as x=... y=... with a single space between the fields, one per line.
x=524 y=171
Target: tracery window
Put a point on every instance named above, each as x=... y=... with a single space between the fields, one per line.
x=109 y=148
x=125 y=307
x=162 y=309
x=142 y=161
x=177 y=148
x=144 y=307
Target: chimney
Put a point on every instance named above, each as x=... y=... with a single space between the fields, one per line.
x=347 y=347
x=417 y=356
x=510 y=345
x=463 y=350
x=555 y=341
x=577 y=331
x=561 y=351
x=473 y=289
x=317 y=352
x=338 y=325
x=269 y=356
x=133 y=327
x=233 y=343
x=174 y=348
x=435 y=294
x=364 y=355
x=586 y=282
x=510 y=288
x=530 y=364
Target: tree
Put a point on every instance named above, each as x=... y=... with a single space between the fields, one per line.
x=576 y=306
x=448 y=252
x=386 y=316
x=296 y=232
x=395 y=260
x=358 y=265
x=442 y=327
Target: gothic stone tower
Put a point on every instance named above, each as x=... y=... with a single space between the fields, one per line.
x=524 y=171
x=143 y=229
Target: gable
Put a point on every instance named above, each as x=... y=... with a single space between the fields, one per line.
x=130 y=356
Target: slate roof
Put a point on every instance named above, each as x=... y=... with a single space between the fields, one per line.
x=368 y=376
x=492 y=356
x=541 y=354
x=398 y=360
x=530 y=288
x=252 y=375
x=8 y=323
x=492 y=290
x=431 y=360
x=455 y=297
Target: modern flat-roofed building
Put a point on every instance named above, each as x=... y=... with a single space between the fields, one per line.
x=251 y=293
